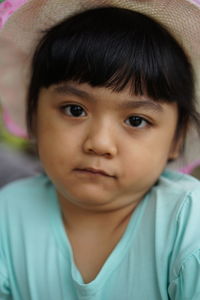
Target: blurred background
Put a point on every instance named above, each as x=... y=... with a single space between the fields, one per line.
x=18 y=158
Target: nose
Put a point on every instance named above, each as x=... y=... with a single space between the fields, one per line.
x=100 y=141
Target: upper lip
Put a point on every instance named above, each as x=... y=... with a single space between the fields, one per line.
x=95 y=171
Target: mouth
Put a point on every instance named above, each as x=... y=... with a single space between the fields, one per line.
x=93 y=171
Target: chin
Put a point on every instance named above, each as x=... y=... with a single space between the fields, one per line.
x=88 y=200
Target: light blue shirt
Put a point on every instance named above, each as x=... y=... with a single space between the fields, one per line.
x=158 y=257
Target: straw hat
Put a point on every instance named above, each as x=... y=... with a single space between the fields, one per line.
x=23 y=30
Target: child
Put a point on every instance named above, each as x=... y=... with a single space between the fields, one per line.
x=110 y=100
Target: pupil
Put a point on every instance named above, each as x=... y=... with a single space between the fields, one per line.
x=76 y=110
x=135 y=121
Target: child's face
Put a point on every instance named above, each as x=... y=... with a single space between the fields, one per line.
x=103 y=149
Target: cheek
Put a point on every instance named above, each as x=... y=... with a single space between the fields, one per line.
x=56 y=148
x=146 y=158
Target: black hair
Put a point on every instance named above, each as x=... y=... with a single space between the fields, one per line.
x=114 y=47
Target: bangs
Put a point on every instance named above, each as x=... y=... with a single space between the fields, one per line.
x=113 y=48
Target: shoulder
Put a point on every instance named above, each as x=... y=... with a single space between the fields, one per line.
x=23 y=192
x=22 y=186
x=24 y=219
x=179 y=181
x=179 y=196
x=28 y=201
x=177 y=189
x=177 y=206
x=184 y=191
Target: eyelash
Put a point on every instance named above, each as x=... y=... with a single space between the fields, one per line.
x=140 y=120
x=65 y=107
x=127 y=121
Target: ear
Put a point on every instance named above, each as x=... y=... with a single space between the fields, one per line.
x=175 y=151
x=177 y=147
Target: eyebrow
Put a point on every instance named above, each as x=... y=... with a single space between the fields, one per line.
x=146 y=104
x=66 y=89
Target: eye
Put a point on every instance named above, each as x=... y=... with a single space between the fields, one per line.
x=136 y=121
x=74 y=110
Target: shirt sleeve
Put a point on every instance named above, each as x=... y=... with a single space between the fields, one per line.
x=187 y=285
x=4 y=282
x=185 y=277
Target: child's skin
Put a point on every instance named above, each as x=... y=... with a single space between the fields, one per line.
x=102 y=137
